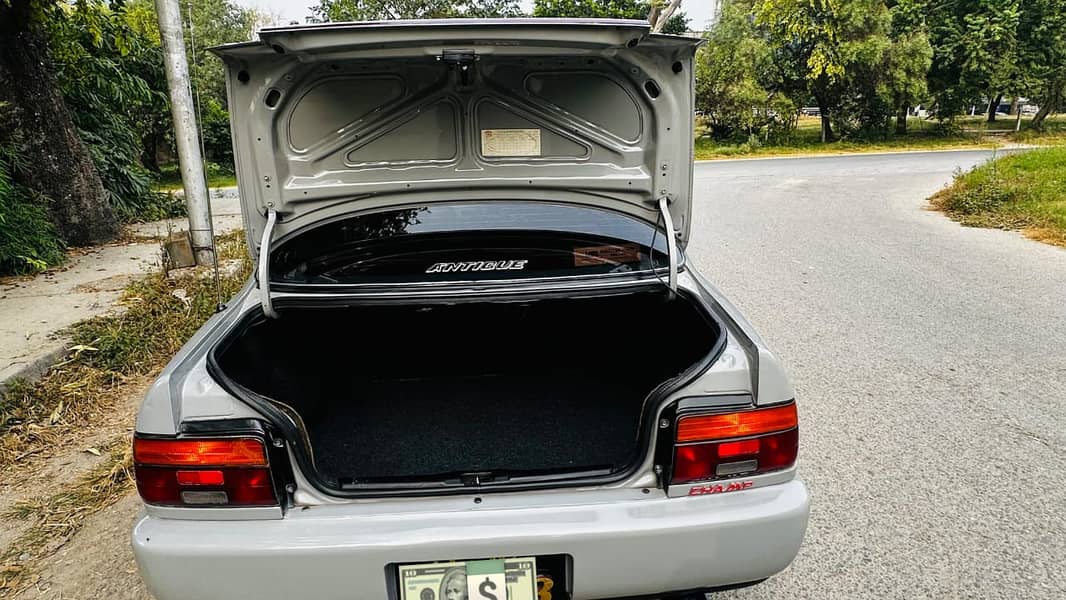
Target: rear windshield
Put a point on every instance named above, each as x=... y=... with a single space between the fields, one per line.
x=470 y=241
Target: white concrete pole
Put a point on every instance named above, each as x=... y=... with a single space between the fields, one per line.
x=183 y=112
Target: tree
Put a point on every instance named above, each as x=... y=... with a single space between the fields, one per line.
x=111 y=77
x=739 y=87
x=659 y=13
x=63 y=170
x=975 y=52
x=904 y=76
x=909 y=60
x=383 y=10
x=208 y=23
x=1042 y=56
x=857 y=72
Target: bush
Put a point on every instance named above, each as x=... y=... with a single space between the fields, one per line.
x=28 y=240
x=974 y=199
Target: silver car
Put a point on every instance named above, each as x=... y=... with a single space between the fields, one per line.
x=473 y=362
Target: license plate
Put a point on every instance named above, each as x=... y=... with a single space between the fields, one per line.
x=499 y=579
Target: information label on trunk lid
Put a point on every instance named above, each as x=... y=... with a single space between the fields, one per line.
x=510 y=142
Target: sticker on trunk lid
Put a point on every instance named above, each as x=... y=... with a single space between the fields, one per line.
x=510 y=142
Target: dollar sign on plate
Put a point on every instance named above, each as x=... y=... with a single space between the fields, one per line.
x=485 y=587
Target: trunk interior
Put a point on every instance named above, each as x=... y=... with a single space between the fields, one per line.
x=427 y=393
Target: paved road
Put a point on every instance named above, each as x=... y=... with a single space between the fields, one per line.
x=930 y=363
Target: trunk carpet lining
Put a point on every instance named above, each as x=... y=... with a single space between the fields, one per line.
x=421 y=427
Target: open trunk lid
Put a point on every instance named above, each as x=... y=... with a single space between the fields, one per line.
x=336 y=118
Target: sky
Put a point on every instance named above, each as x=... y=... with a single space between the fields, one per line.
x=295 y=10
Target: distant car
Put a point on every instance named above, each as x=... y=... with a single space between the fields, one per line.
x=473 y=361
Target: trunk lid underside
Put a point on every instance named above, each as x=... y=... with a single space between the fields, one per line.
x=336 y=118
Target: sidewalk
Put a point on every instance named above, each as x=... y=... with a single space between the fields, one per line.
x=34 y=311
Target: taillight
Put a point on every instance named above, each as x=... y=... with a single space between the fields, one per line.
x=714 y=446
x=203 y=472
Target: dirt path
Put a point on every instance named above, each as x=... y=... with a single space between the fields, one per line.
x=96 y=562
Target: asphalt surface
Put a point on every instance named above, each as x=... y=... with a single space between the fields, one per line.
x=929 y=361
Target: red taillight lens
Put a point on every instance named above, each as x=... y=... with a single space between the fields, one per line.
x=770 y=442
x=203 y=472
x=201 y=477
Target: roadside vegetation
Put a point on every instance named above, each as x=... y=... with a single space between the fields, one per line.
x=1025 y=191
x=85 y=126
x=158 y=314
x=110 y=358
x=805 y=138
x=218 y=176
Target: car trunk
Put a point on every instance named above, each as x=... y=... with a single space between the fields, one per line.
x=453 y=394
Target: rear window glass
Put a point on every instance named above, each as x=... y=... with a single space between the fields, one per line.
x=470 y=241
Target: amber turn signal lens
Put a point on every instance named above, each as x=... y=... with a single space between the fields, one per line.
x=700 y=428
x=237 y=452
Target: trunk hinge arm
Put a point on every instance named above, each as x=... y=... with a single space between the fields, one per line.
x=671 y=241
x=263 y=268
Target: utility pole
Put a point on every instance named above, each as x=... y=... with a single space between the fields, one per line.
x=183 y=112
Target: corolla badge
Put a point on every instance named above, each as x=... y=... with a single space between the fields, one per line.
x=477 y=265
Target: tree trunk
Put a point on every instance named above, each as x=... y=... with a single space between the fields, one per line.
x=993 y=106
x=1013 y=110
x=901 y=119
x=1048 y=104
x=827 y=125
x=59 y=166
x=1038 y=119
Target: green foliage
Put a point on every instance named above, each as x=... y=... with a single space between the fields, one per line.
x=208 y=23
x=214 y=127
x=739 y=87
x=766 y=57
x=975 y=51
x=1020 y=191
x=111 y=79
x=606 y=9
x=383 y=10
x=1042 y=53
x=28 y=240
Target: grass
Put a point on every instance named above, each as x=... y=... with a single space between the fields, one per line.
x=1025 y=192
x=170 y=178
x=108 y=353
x=58 y=517
x=160 y=314
x=923 y=135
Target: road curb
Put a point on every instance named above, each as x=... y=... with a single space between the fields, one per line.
x=34 y=368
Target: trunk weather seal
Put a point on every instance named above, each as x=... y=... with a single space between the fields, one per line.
x=290 y=431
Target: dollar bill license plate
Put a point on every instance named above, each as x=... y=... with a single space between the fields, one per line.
x=499 y=579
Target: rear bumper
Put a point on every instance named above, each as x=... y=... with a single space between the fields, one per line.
x=638 y=545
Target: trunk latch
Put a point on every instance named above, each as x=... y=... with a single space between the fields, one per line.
x=476 y=479
x=461 y=61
